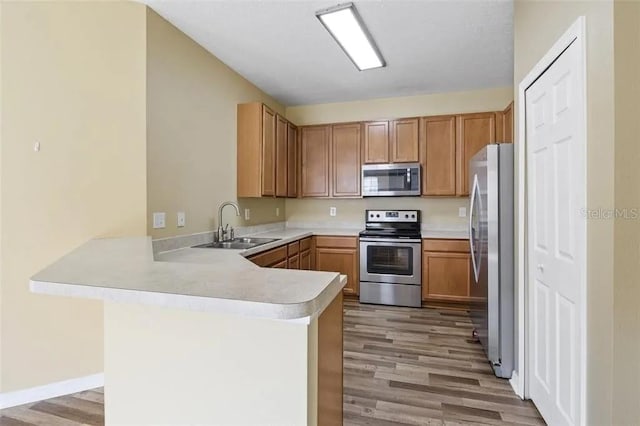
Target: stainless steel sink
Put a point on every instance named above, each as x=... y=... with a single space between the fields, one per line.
x=239 y=243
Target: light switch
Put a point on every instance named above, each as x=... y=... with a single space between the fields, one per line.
x=332 y=211
x=182 y=219
x=462 y=212
x=159 y=220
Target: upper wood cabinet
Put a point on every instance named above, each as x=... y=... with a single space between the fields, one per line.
x=315 y=144
x=345 y=160
x=268 y=152
x=282 y=160
x=292 y=161
x=376 y=142
x=404 y=141
x=474 y=131
x=438 y=147
x=256 y=158
x=504 y=125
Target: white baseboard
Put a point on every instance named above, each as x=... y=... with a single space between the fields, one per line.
x=515 y=384
x=52 y=390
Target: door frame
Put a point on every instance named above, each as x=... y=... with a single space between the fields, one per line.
x=576 y=34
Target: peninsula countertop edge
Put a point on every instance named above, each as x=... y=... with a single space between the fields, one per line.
x=210 y=280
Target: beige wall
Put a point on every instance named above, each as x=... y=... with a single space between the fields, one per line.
x=405 y=106
x=73 y=78
x=191 y=125
x=537 y=25
x=626 y=376
x=436 y=211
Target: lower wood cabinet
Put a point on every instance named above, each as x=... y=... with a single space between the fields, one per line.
x=281 y=265
x=446 y=271
x=295 y=255
x=305 y=260
x=323 y=253
x=339 y=254
x=271 y=258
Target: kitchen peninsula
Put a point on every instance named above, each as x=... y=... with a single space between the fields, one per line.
x=204 y=336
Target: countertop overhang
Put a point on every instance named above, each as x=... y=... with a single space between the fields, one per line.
x=213 y=280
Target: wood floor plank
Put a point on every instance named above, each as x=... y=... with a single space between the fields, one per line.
x=8 y=421
x=75 y=414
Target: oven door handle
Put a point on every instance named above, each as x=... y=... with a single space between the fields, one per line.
x=411 y=241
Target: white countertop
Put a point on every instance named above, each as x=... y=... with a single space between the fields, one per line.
x=214 y=280
x=446 y=234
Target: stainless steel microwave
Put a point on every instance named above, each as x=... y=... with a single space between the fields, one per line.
x=391 y=180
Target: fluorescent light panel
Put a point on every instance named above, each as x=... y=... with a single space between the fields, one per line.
x=347 y=28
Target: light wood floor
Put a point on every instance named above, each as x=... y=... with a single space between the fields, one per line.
x=402 y=366
x=407 y=366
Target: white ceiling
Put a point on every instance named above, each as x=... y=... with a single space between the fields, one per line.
x=281 y=47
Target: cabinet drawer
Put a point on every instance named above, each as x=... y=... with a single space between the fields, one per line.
x=294 y=248
x=449 y=246
x=305 y=244
x=337 y=242
x=271 y=257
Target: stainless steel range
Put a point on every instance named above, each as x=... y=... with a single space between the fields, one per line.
x=390 y=258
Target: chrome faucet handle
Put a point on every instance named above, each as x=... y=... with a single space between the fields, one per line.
x=232 y=233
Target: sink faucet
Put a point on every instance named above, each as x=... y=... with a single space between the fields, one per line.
x=224 y=231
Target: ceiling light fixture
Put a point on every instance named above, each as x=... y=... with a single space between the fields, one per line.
x=345 y=25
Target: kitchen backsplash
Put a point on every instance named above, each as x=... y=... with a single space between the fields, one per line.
x=437 y=213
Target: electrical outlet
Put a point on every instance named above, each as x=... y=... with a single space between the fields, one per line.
x=277 y=211
x=182 y=219
x=462 y=212
x=159 y=220
x=332 y=211
x=247 y=214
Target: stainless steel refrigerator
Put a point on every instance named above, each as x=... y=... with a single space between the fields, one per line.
x=491 y=240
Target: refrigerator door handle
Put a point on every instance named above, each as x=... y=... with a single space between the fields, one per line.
x=472 y=242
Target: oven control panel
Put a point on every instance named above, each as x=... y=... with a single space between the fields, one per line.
x=411 y=216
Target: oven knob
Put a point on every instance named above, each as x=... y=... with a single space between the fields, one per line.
x=406 y=216
x=413 y=216
x=377 y=215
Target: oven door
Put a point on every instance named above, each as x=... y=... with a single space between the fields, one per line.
x=391 y=261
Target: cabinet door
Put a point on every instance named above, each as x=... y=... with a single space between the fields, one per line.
x=282 y=160
x=342 y=260
x=305 y=260
x=439 y=155
x=345 y=149
x=294 y=262
x=268 y=152
x=474 y=132
x=314 y=145
x=292 y=161
x=281 y=265
x=376 y=142
x=404 y=141
x=446 y=276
